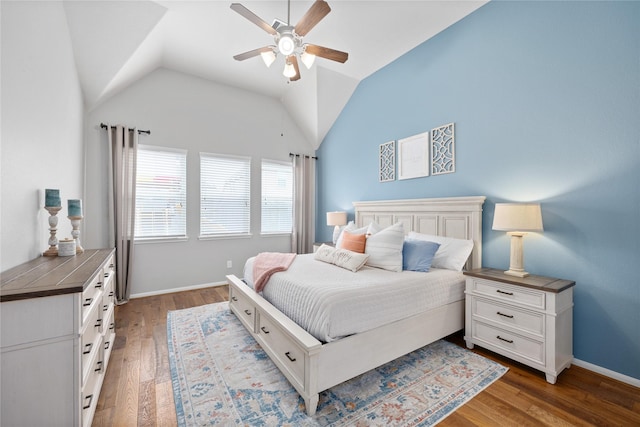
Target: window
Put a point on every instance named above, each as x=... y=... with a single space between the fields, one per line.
x=277 y=197
x=161 y=193
x=225 y=195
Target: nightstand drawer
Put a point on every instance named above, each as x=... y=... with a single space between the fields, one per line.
x=509 y=315
x=512 y=343
x=509 y=293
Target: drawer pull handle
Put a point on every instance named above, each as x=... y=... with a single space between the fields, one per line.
x=112 y=326
x=105 y=307
x=90 y=399
x=288 y=354
x=504 y=339
x=111 y=293
x=99 y=285
x=106 y=274
x=98 y=323
x=87 y=302
x=510 y=316
x=99 y=366
x=264 y=329
x=248 y=312
x=106 y=345
x=503 y=292
x=87 y=348
x=234 y=299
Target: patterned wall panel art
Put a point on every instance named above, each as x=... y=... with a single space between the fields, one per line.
x=387 y=161
x=443 y=144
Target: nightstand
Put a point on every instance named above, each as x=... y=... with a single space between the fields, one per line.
x=528 y=319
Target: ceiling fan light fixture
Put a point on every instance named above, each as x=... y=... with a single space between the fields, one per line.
x=268 y=57
x=289 y=70
x=307 y=59
x=286 y=44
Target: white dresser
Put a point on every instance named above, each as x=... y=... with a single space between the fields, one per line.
x=527 y=319
x=58 y=328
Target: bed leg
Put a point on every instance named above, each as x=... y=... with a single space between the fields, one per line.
x=312 y=404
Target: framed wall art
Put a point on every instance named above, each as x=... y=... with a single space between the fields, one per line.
x=443 y=150
x=413 y=156
x=387 y=161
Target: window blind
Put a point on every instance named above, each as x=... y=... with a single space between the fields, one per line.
x=225 y=195
x=161 y=193
x=277 y=197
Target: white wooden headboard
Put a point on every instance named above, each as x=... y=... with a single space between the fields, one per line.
x=459 y=217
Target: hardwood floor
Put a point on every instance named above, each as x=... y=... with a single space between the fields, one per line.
x=137 y=389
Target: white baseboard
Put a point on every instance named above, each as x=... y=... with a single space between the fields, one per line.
x=184 y=288
x=607 y=372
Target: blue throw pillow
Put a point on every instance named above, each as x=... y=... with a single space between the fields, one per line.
x=417 y=255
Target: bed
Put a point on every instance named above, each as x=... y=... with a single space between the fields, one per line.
x=313 y=364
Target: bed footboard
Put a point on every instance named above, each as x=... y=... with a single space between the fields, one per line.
x=311 y=366
x=293 y=350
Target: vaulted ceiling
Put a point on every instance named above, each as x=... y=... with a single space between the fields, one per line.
x=116 y=43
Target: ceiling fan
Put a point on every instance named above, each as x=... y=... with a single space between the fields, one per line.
x=288 y=39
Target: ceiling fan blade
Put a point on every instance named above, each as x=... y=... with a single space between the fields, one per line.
x=316 y=12
x=325 y=52
x=294 y=62
x=253 y=18
x=252 y=53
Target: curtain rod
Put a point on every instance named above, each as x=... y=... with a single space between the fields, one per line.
x=148 y=132
x=307 y=157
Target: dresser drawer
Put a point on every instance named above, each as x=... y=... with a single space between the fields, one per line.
x=109 y=266
x=509 y=293
x=289 y=354
x=90 y=339
x=92 y=293
x=515 y=344
x=244 y=308
x=508 y=315
x=89 y=400
x=108 y=296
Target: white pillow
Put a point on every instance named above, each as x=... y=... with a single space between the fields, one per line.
x=351 y=228
x=384 y=247
x=350 y=260
x=325 y=253
x=343 y=258
x=452 y=253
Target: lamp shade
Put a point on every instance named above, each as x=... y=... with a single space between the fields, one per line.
x=289 y=70
x=268 y=57
x=307 y=59
x=336 y=218
x=517 y=217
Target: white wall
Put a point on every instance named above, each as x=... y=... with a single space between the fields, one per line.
x=187 y=112
x=41 y=126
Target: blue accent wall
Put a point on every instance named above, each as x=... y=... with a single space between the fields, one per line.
x=545 y=97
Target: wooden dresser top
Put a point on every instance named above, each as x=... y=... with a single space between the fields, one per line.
x=48 y=276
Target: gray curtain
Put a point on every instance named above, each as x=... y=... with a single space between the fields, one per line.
x=123 y=143
x=304 y=203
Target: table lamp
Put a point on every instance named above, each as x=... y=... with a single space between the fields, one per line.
x=337 y=219
x=517 y=219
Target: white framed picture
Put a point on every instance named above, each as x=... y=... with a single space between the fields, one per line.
x=413 y=156
x=387 y=162
x=443 y=149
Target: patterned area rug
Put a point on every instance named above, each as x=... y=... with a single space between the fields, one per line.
x=221 y=376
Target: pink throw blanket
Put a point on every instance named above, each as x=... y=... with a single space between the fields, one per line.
x=267 y=263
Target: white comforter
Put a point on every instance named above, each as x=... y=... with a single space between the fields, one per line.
x=330 y=302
